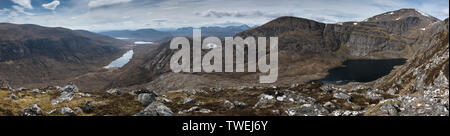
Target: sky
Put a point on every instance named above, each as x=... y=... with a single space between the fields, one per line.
x=101 y=15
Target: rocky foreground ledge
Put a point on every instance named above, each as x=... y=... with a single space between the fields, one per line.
x=309 y=99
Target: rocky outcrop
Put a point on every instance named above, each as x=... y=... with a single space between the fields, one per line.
x=422 y=83
x=67 y=94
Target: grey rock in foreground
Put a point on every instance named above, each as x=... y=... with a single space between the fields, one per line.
x=32 y=110
x=114 y=92
x=146 y=98
x=156 y=109
x=67 y=94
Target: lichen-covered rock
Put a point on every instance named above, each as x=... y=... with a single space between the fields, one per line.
x=67 y=94
x=228 y=104
x=32 y=110
x=142 y=91
x=342 y=96
x=114 y=92
x=346 y=113
x=69 y=88
x=66 y=111
x=146 y=98
x=307 y=110
x=188 y=100
x=13 y=96
x=264 y=101
x=240 y=105
x=156 y=109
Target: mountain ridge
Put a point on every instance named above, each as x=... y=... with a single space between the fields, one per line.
x=155 y=35
x=32 y=54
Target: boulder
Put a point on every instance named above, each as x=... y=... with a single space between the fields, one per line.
x=156 y=109
x=228 y=104
x=32 y=110
x=239 y=104
x=146 y=98
x=114 y=92
x=307 y=110
x=342 y=96
x=67 y=94
x=88 y=107
x=329 y=105
x=142 y=91
x=265 y=101
x=188 y=100
x=71 y=88
x=5 y=85
x=66 y=111
x=13 y=96
x=78 y=110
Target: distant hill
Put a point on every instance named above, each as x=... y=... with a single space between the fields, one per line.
x=142 y=34
x=155 y=35
x=32 y=54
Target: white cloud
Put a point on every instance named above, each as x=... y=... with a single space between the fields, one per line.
x=52 y=5
x=160 y=14
x=100 y=3
x=24 y=3
x=4 y=11
x=13 y=14
x=21 y=10
x=445 y=11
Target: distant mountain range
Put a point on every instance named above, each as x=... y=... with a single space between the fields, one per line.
x=155 y=35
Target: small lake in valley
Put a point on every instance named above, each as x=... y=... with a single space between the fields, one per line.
x=122 y=61
x=361 y=70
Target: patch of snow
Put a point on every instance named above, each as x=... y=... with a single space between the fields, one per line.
x=398 y=18
x=355 y=23
x=391 y=13
x=340 y=23
x=423 y=14
x=423 y=29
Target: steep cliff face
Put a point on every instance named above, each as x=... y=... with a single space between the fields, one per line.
x=33 y=54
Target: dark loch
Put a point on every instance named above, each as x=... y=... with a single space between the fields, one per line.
x=361 y=70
